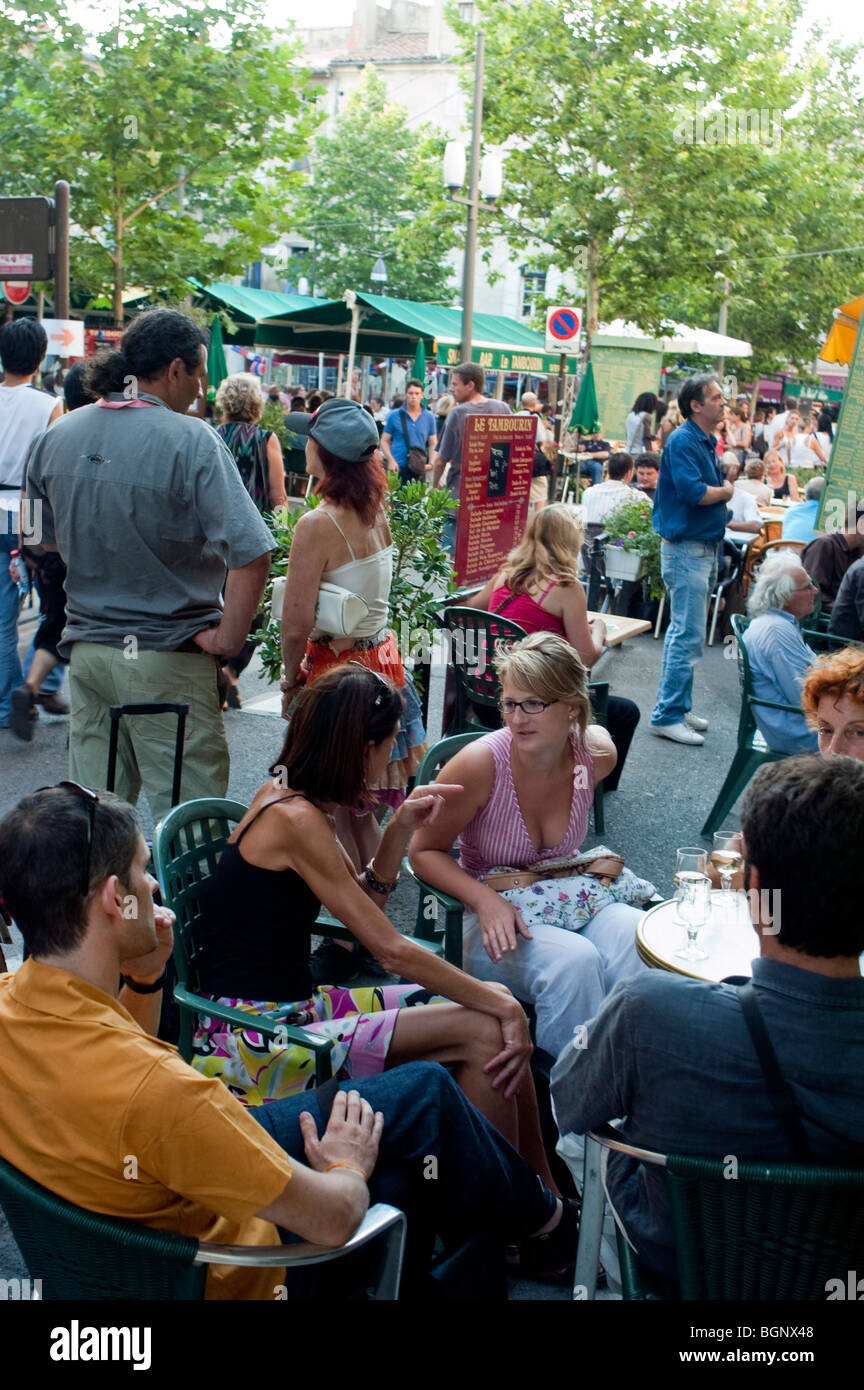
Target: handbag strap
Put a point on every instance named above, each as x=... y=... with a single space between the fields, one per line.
x=404 y=428
x=779 y=1090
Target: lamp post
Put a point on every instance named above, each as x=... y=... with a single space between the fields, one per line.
x=484 y=187
x=378 y=274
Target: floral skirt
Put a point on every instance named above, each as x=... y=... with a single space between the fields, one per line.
x=381 y=653
x=359 y=1021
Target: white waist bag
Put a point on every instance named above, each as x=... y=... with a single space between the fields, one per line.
x=339 y=611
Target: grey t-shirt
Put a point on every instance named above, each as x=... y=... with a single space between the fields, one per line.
x=450 y=443
x=148 y=511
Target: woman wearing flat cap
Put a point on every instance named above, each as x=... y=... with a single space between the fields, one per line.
x=346 y=541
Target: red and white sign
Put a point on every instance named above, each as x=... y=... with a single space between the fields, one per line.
x=17 y=266
x=65 y=337
x=95 y=339
x=497 y=458
x=16 y=291
x=563 y=328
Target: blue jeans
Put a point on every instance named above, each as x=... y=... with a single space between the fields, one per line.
x=688 y=569
x=11 y=674
x=440 y=1161
x=593 y=469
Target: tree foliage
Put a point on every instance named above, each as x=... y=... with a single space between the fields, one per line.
x=376 y=190
x=177 y=131
x=591 y=99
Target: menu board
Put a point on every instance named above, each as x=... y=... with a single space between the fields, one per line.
x=620 y=375
x=497 y=460
x=842 y=505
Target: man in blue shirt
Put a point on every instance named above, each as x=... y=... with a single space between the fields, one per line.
x=690 y=515
x=409 y=427
x=672 y=1057
x=779 y=657
x=800 y=521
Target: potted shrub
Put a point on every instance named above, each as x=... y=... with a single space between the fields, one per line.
x=633 y=546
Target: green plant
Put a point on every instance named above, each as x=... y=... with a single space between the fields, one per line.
x=630 y=526
x=422 y=572
x=273 y=418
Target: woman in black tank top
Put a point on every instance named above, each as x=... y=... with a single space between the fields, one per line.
x=260 y=907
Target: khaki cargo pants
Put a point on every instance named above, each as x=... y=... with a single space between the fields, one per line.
x=101 y=676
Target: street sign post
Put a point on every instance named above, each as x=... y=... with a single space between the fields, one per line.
x=563 y=329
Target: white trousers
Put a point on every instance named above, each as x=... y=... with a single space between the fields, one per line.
x=565 y=975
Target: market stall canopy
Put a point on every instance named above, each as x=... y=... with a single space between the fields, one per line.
x=840 y=343
x=248 y=306
x=389 y=327
x=679 y=338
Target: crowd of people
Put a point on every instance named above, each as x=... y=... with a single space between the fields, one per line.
x=152 y=552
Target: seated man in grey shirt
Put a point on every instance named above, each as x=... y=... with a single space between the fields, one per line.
x=149 y=513
x=672 y=1057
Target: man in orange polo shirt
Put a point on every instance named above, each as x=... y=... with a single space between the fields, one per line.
x=103 y=1113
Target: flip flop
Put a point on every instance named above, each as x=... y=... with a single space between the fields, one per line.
x=23 y=716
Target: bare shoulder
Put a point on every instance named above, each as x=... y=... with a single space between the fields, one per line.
x=598 y=741
x=473 y=767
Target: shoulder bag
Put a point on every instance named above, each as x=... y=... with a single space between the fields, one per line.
x=417 y=454
x=339 y=611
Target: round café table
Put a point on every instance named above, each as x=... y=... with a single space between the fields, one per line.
x=728 y=937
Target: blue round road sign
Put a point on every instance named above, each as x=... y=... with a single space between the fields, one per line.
x=564 y=324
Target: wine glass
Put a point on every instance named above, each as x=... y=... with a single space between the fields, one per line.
x=727 y=858
x=693 y=897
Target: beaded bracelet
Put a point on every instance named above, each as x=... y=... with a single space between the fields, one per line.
x=375 y=883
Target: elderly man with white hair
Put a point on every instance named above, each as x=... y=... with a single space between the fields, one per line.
x=779 y=656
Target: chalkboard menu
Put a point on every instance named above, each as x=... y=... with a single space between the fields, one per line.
x=842 y=505
x=620 y=375
x=497 y=459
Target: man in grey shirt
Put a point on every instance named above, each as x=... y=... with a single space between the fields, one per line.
x=148 y=511
x=466 y=387
x=672 y=1057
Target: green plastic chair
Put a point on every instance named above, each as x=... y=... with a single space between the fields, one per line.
x=186 y=847
x=752 y=750
x=439 y=917
x=775 y=1232
x=476 y=634
x=80 y=1254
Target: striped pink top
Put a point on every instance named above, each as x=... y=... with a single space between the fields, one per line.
x=498 y=836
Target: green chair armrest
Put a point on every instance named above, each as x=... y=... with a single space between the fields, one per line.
x=449 y=904
x=267 y=1024
x=775 y=704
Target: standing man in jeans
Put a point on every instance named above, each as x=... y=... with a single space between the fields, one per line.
x=25 y=414
x=148 y=510
x=690 y=508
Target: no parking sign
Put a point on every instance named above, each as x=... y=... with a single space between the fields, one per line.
x=563 y=327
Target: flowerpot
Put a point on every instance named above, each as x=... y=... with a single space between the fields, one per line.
x=624 y=564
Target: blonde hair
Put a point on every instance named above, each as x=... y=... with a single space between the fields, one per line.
x=550 y=668
x=673 y=414
x=239 y=398
x=548 y=551
x=772 y=456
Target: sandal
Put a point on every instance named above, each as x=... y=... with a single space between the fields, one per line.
x=24 y=713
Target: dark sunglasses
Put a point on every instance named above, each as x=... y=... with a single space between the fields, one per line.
x=91 y=801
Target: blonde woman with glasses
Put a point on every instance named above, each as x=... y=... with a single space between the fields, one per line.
x=525 y=794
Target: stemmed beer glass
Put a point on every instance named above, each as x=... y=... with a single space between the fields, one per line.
x=693 y=896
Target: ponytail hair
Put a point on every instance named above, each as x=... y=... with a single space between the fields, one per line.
x=150 y=344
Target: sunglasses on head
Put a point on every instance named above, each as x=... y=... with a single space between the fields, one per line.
x=90 y=800
x=379 y=678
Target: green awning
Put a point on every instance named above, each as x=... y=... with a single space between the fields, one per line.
x=389 y=327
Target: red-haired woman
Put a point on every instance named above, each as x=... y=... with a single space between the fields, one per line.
x=346 y=541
